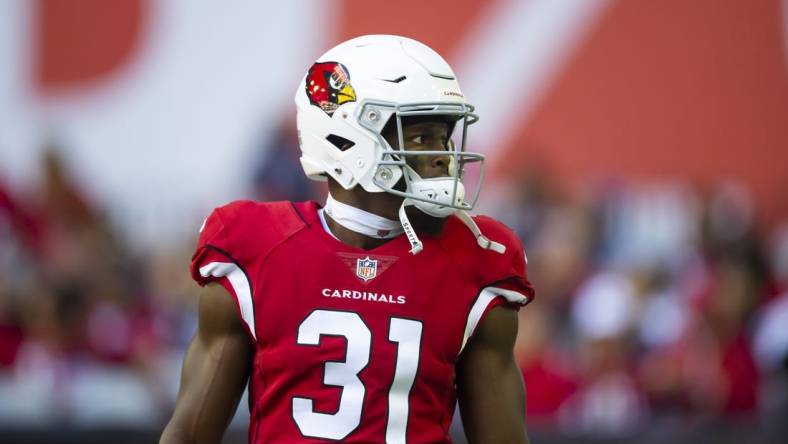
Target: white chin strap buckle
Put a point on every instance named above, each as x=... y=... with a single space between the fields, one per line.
x=481 y=239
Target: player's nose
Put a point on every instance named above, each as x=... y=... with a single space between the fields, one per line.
x=440 y=165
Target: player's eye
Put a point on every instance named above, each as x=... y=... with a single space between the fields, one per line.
x=418 y=140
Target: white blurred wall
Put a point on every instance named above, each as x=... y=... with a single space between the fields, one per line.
x=172 y=133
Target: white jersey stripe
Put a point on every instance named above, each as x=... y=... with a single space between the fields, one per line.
x=484 y=300
x=240 y=284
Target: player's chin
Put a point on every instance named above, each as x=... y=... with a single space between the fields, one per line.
x=424 y=223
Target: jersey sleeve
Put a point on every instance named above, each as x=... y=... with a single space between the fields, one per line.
x=506 y=274
x=503 y=277
x=215 y=260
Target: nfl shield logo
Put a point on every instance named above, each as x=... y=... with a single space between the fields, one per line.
x=366 y=268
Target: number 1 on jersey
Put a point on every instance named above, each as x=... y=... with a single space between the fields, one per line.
x=406 y=333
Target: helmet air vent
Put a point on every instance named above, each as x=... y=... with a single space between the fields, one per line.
x=340 y=142
x=397 y=80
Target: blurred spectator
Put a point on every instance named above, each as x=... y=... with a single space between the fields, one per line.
x=546 y=368
x=17 y=246
x=278 y=174
x=603 y=315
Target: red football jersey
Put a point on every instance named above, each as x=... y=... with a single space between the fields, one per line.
x=350 y=344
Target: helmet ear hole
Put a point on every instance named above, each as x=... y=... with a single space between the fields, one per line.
x=389 y=131
x=340 y=142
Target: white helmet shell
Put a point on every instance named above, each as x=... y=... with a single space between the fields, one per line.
x=351 y=92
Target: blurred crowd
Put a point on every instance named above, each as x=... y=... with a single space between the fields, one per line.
x=90 y=333
x=656 y=302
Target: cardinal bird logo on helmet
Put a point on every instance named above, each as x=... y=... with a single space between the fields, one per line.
x=328 y=86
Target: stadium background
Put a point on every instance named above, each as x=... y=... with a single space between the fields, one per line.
x=638 y=147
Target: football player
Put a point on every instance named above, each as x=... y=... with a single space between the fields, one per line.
x=364 y=320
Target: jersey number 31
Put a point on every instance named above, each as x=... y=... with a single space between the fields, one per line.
x=405 y=333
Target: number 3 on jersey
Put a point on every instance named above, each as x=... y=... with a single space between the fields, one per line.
x=406 y=333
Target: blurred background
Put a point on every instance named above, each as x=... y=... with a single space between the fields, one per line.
x=638 y=147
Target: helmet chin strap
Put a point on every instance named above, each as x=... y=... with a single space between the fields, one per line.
x=481 y=239
x=416 y=244
x=436 y=189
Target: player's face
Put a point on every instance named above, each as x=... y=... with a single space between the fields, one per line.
x=424 y=135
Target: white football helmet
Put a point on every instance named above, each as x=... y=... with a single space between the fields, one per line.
x=349 y=95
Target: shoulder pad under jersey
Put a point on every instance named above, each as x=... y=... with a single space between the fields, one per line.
x=243 y=230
